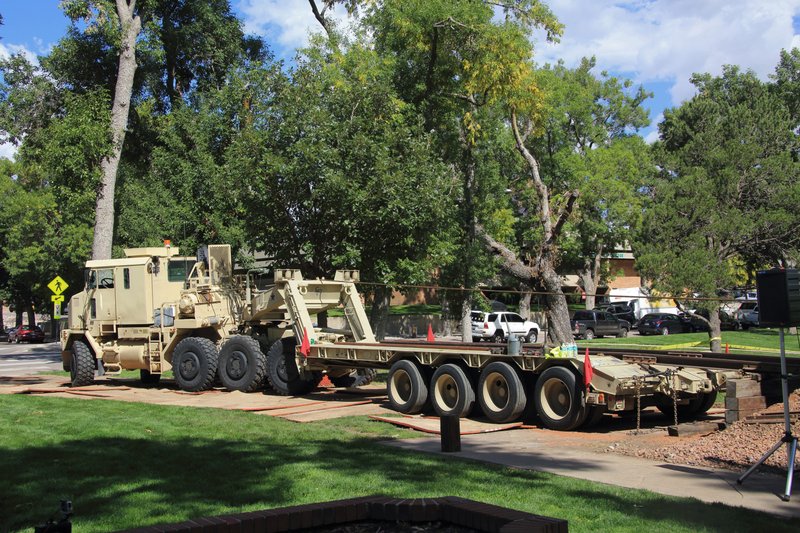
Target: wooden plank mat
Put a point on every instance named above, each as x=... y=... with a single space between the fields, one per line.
x=431 y=424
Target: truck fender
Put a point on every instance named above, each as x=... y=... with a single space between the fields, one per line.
x=66 y=352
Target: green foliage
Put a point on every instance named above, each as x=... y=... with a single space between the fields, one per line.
x=729 y=186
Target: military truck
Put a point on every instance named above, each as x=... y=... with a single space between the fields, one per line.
x=206 y=328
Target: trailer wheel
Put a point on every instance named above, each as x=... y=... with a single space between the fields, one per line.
x=194 y=364
x=148 y=378
x=81 y=367
x=356 y=378
x=501 y=394
x=406 y=387
x=451 y=391
x=558 y=401
x=594 y=416
x=242 y=364
x=282 y=372
x=708 y=400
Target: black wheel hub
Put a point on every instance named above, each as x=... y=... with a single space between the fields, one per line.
x=189 y=366
x=236 y=366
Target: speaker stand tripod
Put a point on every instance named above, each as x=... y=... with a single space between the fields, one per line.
x=788 y=439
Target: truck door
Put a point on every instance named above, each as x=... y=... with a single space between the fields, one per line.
x=609 y=324
x=515 y=324
x=104 y=307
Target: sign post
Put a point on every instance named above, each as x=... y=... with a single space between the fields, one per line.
x=58 y=286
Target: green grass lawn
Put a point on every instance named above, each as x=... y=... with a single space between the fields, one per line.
x=127 y=464
x=766 y=340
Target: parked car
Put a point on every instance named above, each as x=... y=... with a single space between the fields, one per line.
x=623 y=312
x=693 y=323
x=747 y=314
x=497 y=326
x=588 y=324
x=661 y=324
x=26 y=334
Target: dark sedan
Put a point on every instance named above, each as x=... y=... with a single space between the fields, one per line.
x=26 y=334
x=660 y=324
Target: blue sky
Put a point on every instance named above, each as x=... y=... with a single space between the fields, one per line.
x=656 y=43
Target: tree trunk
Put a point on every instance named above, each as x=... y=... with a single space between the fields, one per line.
x=379 y=315
x=525 y=302
x=589 y=276
x=466 y=321
x=31 y=316
x=715 y=330
x=557 y=310
x=446 y=318
x=104 y=210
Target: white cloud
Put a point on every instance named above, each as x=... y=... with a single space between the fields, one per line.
x=8 y=151
x=6 y=50
x=286 y=23
x=668 y=40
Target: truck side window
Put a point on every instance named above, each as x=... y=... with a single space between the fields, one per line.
x=91 y=280
x=105 y=278
x=126 y=278
x=177 y=271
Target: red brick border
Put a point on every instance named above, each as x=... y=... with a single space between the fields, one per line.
x=451 y=509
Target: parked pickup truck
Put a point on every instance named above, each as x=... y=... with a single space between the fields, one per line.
x=590 y=324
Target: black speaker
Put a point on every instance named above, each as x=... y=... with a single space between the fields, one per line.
x=778 y=298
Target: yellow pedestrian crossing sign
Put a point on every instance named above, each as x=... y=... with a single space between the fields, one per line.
x=58 y=285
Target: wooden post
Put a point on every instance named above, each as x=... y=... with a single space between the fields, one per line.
x=450 y=426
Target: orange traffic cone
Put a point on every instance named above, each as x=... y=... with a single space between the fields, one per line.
x=431 y=338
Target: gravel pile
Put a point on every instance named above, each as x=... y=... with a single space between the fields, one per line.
x=735 y=448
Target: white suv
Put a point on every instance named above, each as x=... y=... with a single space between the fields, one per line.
x=496 y=326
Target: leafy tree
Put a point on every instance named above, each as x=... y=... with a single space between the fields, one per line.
x=454 y=61
x=728 y=190
x=589 y=145
x=343 y=179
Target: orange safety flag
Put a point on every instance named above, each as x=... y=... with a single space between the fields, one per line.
x=588 y=373
x=431 y=338
x=305 y=346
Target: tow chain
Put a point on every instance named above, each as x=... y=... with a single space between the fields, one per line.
x=674 y=398
x=638 y=384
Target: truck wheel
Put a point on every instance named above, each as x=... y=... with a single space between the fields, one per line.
x=242 y=364
x=451 y=391
x=558 y=401
x=501 y=394
x=531 y=336
x=622 y=333
x=81 y=367
x=148 y=378
x=406 y=387
x=589 y=335
x=356 y=378
x=282 y=373
x=497 y=337
x=194 y=364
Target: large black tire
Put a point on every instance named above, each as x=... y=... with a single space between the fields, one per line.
x=81 y=367
x=451 y=391
x=707 y=402
x=148 y=378
x=356 y=378
x=406 y=388
x=242 y=364
x=282 y=373
x=501 y=394
x=194 y=364
x=558 y=399
x=531 y=336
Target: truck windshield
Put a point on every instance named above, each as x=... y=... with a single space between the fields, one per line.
x=178 y=270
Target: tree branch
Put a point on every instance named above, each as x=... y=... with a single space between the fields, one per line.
x=508 y=259
x=564 y=214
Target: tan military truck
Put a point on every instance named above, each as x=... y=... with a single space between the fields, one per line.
x=206 y=328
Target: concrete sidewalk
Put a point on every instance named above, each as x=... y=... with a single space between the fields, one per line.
x=532 y=450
